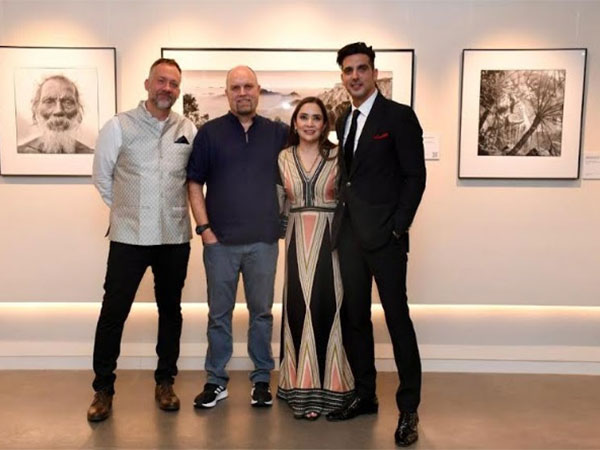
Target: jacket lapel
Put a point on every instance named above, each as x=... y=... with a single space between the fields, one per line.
x=339 y=129
x=369 y=130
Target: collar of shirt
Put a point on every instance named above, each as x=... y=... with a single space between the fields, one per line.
x=256 y=121
x=367 y=105
x=365 y=109
x=159 y=123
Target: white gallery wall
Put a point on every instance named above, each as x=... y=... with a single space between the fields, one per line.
x=503 y=274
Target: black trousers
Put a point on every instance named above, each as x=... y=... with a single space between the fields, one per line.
x=125 y=269
x=387 y=266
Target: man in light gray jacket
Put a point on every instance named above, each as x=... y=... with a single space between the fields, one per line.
x=140 y=172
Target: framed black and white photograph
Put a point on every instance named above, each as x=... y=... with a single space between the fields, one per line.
x=55 y=101
x=521 y=113
x=285 y=77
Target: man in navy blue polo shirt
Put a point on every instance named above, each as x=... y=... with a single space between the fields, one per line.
x=236 y=157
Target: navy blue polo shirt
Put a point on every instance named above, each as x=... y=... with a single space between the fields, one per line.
x=240 y=173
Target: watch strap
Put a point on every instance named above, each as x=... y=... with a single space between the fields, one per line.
x=202 y=228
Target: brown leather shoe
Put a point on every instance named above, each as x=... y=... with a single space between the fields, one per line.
x=166 y=397
x=101 y=407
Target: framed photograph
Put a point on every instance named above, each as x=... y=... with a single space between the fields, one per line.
x=521 y=113
x=285 y=76
x=55 y=101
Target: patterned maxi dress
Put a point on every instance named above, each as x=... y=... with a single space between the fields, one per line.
x=314 y=374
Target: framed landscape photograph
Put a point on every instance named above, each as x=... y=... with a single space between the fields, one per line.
x=285 y=77
x=55 y=101
x=521 y=113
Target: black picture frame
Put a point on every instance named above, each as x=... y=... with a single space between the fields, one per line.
x=521 y=113
x=24 y=148
x=290 y=73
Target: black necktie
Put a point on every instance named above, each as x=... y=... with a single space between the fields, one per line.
x=349 y=144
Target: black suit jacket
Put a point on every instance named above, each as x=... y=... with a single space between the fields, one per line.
x=383 y=188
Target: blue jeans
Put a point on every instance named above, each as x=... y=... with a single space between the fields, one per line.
x=224 y=263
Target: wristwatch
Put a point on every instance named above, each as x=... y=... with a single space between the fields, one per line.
x=201 y=228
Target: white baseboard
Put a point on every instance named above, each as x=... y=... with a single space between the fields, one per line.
x=514 y=339
x=435 y=358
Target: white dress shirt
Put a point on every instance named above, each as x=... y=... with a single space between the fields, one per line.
x=108 y=145
x=365 y=109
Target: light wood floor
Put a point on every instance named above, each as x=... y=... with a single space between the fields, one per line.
x=46 y=410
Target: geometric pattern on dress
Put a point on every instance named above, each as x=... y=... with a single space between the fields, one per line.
x=310 y=227
x=287 y=365
x=308 y=369
x=287 y=369
x=338 y=374
x=326 y=187
x=330 y=188
x=312 y=199
x=288 y=184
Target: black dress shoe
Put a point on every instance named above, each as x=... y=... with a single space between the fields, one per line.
x=406 y=432
x=100 y=407
x=355 y=407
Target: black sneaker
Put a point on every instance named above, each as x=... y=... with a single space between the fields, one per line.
x=209 y=397
x=261 y=394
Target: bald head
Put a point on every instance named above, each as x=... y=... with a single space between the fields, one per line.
x=237 y=70
x=242 y=90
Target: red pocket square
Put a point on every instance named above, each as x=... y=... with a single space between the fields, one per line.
x=382 y=135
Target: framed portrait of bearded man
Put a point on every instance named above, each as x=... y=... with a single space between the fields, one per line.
x=55 y=100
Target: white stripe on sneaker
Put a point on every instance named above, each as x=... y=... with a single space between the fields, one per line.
x=219 y=393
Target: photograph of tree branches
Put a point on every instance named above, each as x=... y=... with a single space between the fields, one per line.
x=521 y=112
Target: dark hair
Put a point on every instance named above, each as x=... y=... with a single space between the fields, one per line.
x=168 y=61
x=354 y=49
x=324 y=143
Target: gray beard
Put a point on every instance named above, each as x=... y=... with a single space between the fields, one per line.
x=57 y=141
x=163 y=104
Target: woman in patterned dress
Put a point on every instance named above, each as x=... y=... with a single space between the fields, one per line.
x=314 y=374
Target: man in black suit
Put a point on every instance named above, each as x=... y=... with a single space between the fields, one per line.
x=382 y=170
